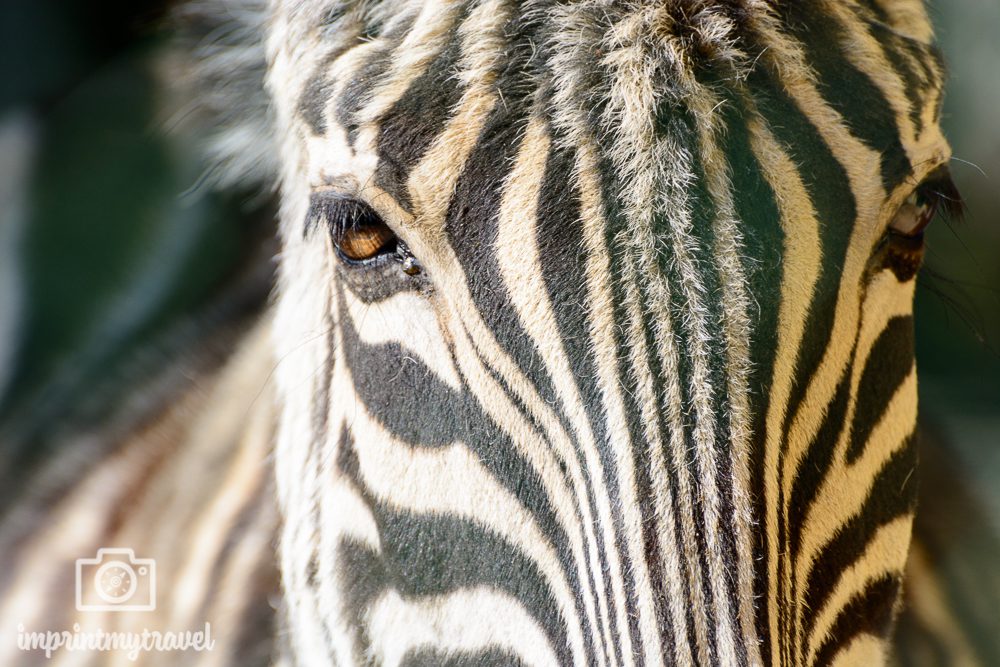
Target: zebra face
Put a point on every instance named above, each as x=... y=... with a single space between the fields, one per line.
x=595 y=327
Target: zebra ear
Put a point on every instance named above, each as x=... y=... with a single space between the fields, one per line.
x=213 y=79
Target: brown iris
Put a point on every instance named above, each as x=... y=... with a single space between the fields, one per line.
x=358 y=233
x=365 y=241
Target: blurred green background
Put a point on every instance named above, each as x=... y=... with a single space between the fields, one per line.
x=958 y=294
x=110 y=243
x=106 y=243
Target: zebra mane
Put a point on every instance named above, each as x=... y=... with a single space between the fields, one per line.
x=214 y=77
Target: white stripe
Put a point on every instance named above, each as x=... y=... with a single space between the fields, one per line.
x=517 y=251
x=408 y=320
x=727 y=251
x=671 y=549
x=656 y=173
x=451 y=481
x=466 y=620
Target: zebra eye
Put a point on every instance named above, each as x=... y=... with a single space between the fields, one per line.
x=358 y=233
x=914 y=215
x=937 y=193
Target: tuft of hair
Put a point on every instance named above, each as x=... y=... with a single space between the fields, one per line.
x=214 y=73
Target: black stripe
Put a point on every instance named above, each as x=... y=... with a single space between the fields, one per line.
x=424 y=555
x=705 y=218
x=833 y=201
x=829 y=190
x=763 y=239
x=417 y=118
x=847 y=89
x=429 y=657
x=562 y=258
x=870 y=612
x=358 y=90
x=315 y=97
x=904 y=55
x=814 y=466
x=471 y=224
x=383 y=373
x=892 y=495
x=888 y=365
x=689 y=570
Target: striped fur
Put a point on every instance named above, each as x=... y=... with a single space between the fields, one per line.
x=652 y=398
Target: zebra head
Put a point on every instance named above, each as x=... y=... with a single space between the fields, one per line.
x=594 y=326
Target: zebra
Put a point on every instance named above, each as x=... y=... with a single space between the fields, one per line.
x=592 y=341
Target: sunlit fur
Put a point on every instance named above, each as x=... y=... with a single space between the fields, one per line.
x=656 y=275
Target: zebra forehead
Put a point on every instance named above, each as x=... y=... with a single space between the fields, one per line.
x=220 y=64
x=592 y=57
x=675 y=39
x=705 y=26
x=684 y=34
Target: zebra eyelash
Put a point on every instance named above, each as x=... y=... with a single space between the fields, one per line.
x=337 y=213
x=936 y=196
x=939 y=189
